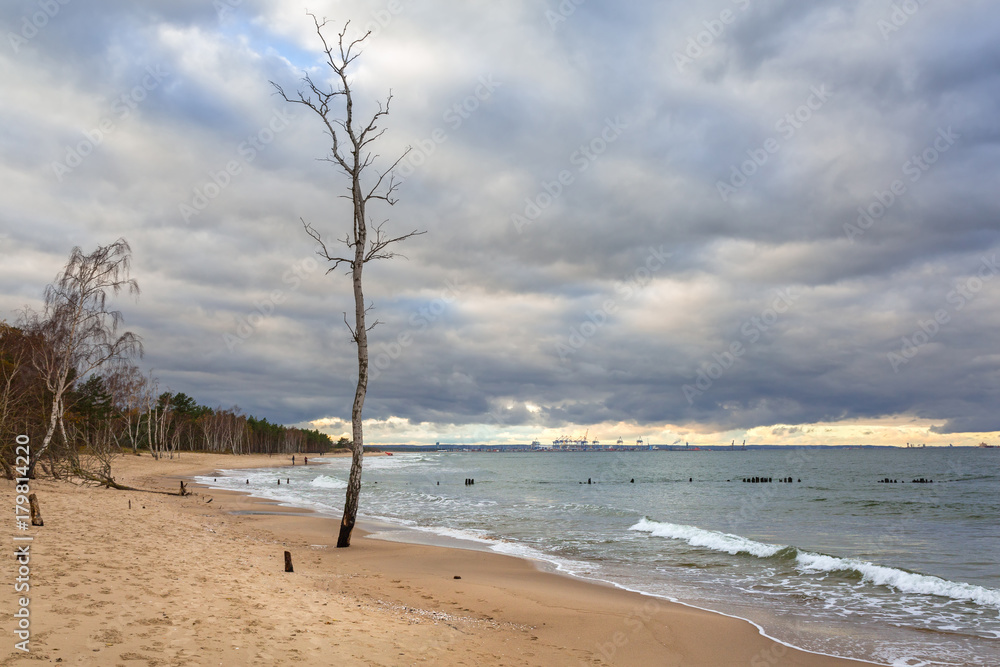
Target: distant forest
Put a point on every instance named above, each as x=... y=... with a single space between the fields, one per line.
x=121 y=410
x=72 y=398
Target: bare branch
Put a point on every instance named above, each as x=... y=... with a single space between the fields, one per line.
x=376 y=248
x=392 y=184
x=323 y=252
x=352 y=150
x=354 y=334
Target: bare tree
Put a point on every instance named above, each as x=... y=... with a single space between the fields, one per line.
x=13 y=354
x=211 y=425
x=22 y=393
x=128 y=387
x=151 y=405
x=237 y=436
x=79 y=329
x=163 y=417
x=351 y=151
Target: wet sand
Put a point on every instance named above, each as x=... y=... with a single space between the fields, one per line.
x=199 y=580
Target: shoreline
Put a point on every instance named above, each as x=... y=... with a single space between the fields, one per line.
x=404 y=534
x=375 y=529
x=188 y=581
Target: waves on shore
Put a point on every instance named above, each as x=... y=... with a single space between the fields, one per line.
x=327 y=482
x=709 y=539
x=806 y=562
x=892 y=574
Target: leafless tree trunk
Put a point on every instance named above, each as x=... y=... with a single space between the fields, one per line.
x=11 y=366
x=210 y=426
x=163 y=415
x=80 y=331
x=351 y=152
x=239 y=438
x=175 y=441
x=293 y=441
x=15 y=390
x=127 y=388
x=151 y=411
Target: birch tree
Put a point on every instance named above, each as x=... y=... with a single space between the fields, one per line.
x=79 y=329
x=351 y=152
x=132 y=400
x=151 y=403
x=22 y=393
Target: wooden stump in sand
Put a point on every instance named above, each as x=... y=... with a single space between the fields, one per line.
x=36 y=513
x=288 y=561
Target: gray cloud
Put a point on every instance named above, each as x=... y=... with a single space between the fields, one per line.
x=490 y=306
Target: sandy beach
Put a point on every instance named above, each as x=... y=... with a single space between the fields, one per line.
x=197 y=580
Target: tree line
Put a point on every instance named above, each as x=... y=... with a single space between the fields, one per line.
x=68 y=381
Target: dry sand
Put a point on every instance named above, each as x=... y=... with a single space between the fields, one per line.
x=183 y=581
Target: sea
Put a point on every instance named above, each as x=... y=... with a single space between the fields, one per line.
x=836 y=561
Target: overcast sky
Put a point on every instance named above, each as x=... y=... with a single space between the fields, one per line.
x=761 y=219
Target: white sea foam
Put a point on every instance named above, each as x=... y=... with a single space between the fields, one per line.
x=327 y=482
x=506 y=547
x=811 y=563
x=392 y=462
x=902 y=581
x=709 y=539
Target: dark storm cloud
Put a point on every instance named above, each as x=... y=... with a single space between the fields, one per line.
x=615 y=197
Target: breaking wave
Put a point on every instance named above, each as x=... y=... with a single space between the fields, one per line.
x=327 y=482
x=807 y=562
